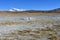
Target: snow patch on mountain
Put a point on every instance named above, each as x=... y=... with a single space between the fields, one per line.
x=16 y=9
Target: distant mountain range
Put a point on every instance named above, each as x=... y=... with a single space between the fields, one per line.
x=34 y=11
x=44 y=11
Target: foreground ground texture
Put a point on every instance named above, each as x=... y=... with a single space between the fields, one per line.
x=27 y=27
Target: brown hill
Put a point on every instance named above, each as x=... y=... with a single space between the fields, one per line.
x=54 y=11
x=43 y=11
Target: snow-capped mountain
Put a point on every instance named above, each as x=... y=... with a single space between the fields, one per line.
x=16 y=9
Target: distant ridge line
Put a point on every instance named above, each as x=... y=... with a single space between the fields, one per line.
x=37 y=11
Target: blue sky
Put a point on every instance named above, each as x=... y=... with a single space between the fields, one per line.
x=30 y=4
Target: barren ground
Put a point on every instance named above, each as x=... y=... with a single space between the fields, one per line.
x=29 y=26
